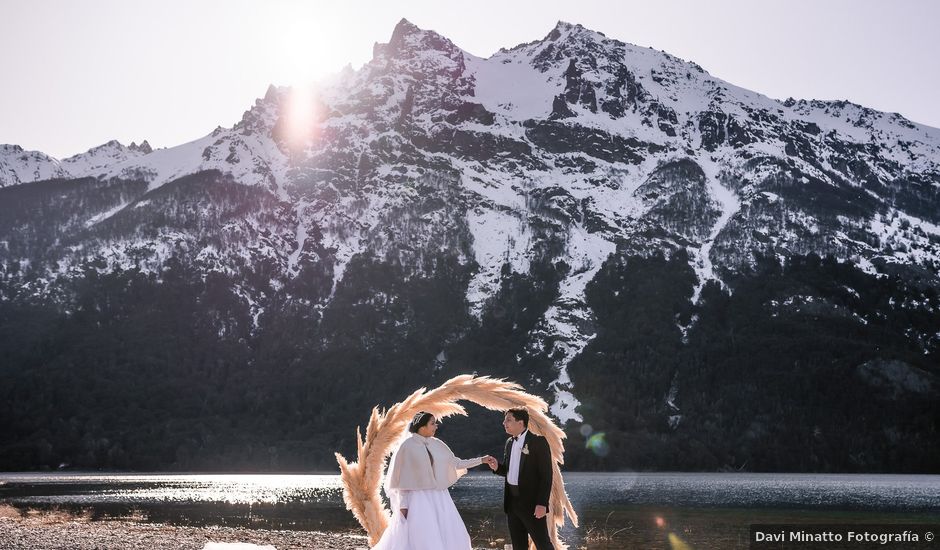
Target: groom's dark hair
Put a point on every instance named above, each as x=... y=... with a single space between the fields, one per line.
x=520 y=414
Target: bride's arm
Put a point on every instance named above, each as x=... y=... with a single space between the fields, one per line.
x=460 y=463
x=469 y=463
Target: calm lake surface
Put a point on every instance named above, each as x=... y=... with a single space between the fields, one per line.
x=617 y=510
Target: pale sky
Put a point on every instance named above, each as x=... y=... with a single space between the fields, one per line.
x=79 y=73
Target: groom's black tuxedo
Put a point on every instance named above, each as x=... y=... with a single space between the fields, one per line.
x=535 y=488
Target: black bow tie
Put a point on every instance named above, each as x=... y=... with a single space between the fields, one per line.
x=515 y=438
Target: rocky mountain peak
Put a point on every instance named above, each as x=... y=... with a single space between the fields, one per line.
x=408 y=41
x=564 y=28
x=562 y=32
x=272 y=93
x=144 y=147
x=114 y=147
x=6 y=147
x=111 y=145
x=403 y=29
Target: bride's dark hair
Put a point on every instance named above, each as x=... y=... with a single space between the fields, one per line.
x=421 y=419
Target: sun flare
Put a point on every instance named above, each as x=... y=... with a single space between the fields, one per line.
x=301 y=116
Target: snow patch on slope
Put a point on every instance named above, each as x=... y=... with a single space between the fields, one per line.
x=512 y=87
x=98 y=218
x=301 y=236
x=499 y=237
x=568 y=321
x=730 y=205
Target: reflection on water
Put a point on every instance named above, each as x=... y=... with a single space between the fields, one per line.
x=229 y=489
x=620 y=510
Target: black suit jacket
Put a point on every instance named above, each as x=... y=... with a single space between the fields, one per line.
x=535 y=473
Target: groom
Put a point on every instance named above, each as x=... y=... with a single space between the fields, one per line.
x=527 y=467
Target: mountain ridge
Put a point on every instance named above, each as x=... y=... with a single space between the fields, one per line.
x=526 y=191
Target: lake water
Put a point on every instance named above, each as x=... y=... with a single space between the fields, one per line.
x=618 y=510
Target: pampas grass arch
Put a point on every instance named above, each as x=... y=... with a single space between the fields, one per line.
x=362 y=479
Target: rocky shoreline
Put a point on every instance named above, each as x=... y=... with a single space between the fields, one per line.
x=56 y=530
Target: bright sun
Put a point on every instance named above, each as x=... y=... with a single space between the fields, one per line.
x=299 y=40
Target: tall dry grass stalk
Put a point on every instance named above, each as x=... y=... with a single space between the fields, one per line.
x=362 y=479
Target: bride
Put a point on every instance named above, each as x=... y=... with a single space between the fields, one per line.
x=423 y=514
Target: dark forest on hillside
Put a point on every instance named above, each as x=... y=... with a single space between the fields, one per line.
x=803 y=367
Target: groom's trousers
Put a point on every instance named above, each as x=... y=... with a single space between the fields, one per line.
x=523 y=524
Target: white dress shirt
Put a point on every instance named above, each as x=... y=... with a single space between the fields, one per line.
x=515 y=457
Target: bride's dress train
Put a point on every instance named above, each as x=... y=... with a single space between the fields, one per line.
x=433 y=523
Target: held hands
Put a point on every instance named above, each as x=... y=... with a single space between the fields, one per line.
x=540 y=511
x=491 y=462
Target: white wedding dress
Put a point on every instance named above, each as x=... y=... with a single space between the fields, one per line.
x=433 y=522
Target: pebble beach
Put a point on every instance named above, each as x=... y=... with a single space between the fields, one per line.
x=47 y=530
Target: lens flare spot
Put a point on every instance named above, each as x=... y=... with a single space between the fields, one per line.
x=676 y=543
x=597 y=444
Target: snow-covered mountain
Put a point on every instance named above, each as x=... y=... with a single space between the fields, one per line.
x=542 y=165
x=96 y=161
x=18 y=166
